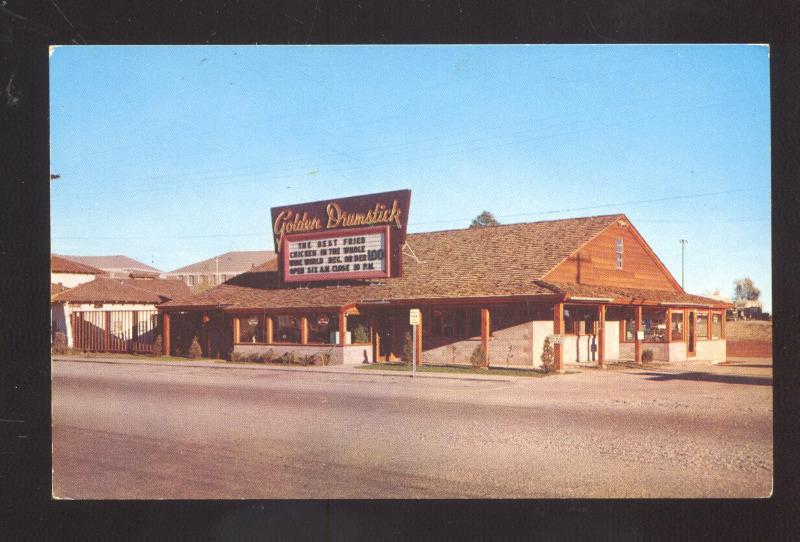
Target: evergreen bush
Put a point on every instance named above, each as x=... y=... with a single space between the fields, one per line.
x=158 y=347
x=647 y=356
x=195 y=351
x=476 y=358
x=548 y=356
x=408 y=347
x=60 y=343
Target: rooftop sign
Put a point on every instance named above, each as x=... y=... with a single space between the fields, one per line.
x=349 y=238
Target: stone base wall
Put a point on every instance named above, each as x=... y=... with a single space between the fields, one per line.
x=336 y=352
x=713 y=350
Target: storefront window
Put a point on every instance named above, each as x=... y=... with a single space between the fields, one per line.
x=654 y=323
x=321 y=326
x=716 y=326
x=702 y=326
x=358 y=326
x=251 y=329
x=677 y=326
x=580 y=320
x=286 y=329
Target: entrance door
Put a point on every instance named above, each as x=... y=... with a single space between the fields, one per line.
x=691 y=337
x=388 y=327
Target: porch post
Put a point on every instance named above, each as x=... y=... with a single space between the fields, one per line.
x=558 y=329
x=304 y=330
x=235 y=329
x=165 y=333
x=205 y=321
x=601 y=336
x=669 y=326
x=485 y=330
x=268 y=329
x=638 y=343
x=342 y=327
x=376 y=338
x=418 y=345
x=134 y=330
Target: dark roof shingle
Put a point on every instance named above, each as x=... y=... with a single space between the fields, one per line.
x=471 y=263
x=108 y=290
x=59 y=264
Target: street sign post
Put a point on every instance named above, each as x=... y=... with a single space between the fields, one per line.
x=413 y=319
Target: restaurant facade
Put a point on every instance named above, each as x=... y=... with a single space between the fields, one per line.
x=347 y=275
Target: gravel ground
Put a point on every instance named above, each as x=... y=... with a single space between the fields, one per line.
x=133 y=431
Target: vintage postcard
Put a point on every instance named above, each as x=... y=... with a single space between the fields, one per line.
x=338 y=272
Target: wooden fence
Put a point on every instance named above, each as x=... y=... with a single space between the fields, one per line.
x=114 y=331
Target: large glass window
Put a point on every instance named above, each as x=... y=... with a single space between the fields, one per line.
x=654 y=323
x=716 y=326
x=580 y=320
x=321 y=326
x=702 y=326
x=286 y=329
x=251 y=329
x=677 y=325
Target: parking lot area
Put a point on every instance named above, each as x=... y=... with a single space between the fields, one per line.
x=132 y=430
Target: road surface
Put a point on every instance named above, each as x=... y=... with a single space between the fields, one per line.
x=133 y=431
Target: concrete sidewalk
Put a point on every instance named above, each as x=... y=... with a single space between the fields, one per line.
x=335 y=369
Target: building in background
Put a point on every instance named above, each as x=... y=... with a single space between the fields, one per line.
x=111 y=314
x=208 y=273
x=65 y=274
x=118 y=266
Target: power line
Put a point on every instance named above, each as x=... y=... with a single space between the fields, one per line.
x=531 y=213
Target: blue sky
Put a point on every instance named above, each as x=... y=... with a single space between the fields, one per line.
x=173 y=154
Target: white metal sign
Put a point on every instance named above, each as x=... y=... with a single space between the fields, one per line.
x=413 y=317
x=556 y=339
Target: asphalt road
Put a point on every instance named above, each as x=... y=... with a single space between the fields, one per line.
x=132 y=431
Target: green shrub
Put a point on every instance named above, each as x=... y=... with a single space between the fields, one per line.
x=408 y=347
x=326 y=358
x=548 y=356
x=238 y=356
x=263 y=357
x=476 y=358
x=195 y=351
x=647 y=355
x=158 y=346
x=60 y=343
x=361 y=334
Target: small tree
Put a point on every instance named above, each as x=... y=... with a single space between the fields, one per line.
x=195 y=352
x=158 y=347
x=476 y=358
x=60 y=343
x=548 y=356
x=408 y=347
x=484 y=219
x=745 y=290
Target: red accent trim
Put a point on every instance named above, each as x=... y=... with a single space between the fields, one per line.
x=341 y=275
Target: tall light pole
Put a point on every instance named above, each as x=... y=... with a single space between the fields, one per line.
x=683 y=245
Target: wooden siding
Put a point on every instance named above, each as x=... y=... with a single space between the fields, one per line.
x=596 y=263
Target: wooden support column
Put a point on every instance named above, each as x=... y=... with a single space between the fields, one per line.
x=107 y=334
x=165 y=339
x=485 y=330
x=418 y=345
x=268 y=330
x=235 y=329
x=638 y=343
x=669 y=326
x=558 y=329
x=342 y=328
x=304 y=330
x=376 y=338
x=724 y=312
x=601 y=336
x=205 y=320
x=134 y=329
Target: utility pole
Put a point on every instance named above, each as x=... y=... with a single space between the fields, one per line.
x=216 y=275
x=683 y=246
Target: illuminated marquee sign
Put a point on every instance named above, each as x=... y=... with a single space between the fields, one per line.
x=349 y=238
x=361 y=254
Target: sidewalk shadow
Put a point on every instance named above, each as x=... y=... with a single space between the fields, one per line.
x=707 y=377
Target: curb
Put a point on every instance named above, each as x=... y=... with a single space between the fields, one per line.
x=230 y=365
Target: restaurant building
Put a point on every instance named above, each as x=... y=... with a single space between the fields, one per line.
x=347 y=275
